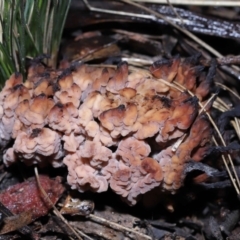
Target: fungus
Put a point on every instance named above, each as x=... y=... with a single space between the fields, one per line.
x=192 y=148
x=69 y=91
x=64 y=118
x=131 y=182
x=132 y=151
x=97 y=154
x=177 y=120
x=89 y=179
x=72 y=142
x=151 y=118
x=31 y=114
x=165 y=69
x=13 y=93
x=83 y=176
x=118 y=81
x=111 y=127
x=152 y=167
x=38 y=147
x=44 y=86
x=120 y=120
x=199 y=136
x=151 y=88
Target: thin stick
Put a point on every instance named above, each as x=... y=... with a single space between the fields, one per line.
x=116 y=226
x=208 y=101
x=186 y=32
x=236 y=125
x=57 y=213
x=84 y=235
x=181 y=89
x=212 y=3
x=175 y=11
x=153 y=16
x=137 y=61
x=224 y=87
x=178 y=142
x=118 y=12
x=224 y=144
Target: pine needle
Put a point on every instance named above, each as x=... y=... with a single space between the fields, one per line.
x=213 y=3
x=57 y=213
x=29 y=29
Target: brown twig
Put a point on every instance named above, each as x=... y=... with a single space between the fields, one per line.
x=116 y=226
x=57 y=213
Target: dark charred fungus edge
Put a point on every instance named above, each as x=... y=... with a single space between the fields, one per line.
x=77 y=117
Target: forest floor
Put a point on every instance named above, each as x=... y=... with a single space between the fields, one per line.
x=208 y=210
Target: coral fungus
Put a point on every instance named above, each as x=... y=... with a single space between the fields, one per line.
x=111 y=127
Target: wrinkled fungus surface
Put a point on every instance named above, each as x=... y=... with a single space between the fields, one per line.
x=111 y=127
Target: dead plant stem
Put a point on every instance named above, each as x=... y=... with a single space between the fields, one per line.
x=57 y=213
x=116 y=226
